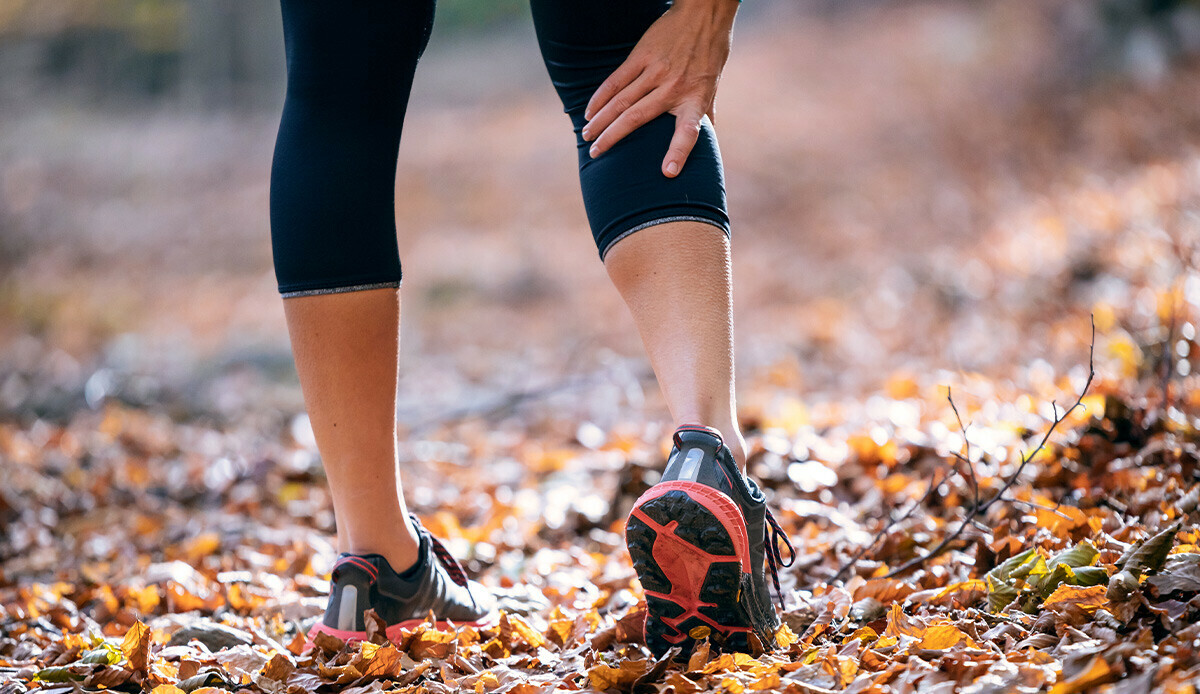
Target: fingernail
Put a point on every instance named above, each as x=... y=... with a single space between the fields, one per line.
x=594 y=151
x=673 y=168
x=587 y=134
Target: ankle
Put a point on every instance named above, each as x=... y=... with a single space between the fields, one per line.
x=731 y=434
x=398 y=545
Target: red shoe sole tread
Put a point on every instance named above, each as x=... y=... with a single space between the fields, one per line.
x=690 y=570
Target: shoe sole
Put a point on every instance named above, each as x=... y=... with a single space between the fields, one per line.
x=393 y=632
x=689 y=546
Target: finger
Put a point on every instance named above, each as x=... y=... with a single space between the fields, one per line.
x=618 y=80
x=647 y=109
x=687 y=131
x=617 y=105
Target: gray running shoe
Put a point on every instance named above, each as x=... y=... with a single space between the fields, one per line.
x=436 y=583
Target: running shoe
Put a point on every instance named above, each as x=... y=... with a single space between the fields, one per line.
x=436 y=585
x=702 y=541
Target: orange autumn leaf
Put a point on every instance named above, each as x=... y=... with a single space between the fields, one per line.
x=900 y=625
x=486 y=681
x=1088 y=598
x=431 y=643
x=278 y=667
x=560 y=627
x=146 y=599
x=1096 y=673
x=681 y=684
x=526 y=633
x=382 y=661
x=167 y=689
x=944 y=635
x=136 y=646
x=730 y=661
x=602 y=676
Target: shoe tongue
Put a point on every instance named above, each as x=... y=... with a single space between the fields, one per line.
x=756 y=494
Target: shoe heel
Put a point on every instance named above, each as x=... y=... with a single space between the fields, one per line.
x=689 y=547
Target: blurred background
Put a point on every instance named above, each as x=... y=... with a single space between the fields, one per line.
x=924 y=192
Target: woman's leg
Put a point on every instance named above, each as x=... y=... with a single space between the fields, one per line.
x=663 y=240
x=345 y=346
x=675 y=278
x=698 y=539
x=333 y=232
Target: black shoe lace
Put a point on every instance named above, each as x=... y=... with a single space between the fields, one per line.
x=774 y=534
x=443 y=555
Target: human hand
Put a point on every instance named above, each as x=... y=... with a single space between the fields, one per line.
x=674 y=68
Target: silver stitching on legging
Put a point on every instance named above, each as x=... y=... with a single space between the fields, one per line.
x=664 y=220
x=340 y=290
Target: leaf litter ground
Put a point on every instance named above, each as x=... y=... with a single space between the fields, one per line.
x=166 y=525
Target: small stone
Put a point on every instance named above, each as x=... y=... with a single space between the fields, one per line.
x=215 y=636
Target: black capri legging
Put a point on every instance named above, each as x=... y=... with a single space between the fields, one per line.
x=350 y=69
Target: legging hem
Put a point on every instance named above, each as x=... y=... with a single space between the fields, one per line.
x=661 y=220
x=339 y=290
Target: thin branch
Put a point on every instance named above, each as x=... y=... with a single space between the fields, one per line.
x=886 y=529
x=982 y=509
x=1032 y=504
x=965 y=457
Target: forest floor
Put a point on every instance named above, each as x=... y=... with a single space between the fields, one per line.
x=940 y=226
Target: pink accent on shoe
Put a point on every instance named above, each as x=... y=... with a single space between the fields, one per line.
x=392 y=632
x=360 y=563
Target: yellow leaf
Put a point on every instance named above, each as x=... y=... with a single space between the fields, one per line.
x=768 y=681
x=1098 y=672
x=561 y=627
x=785 y=637
x=136 y=646
x=944 y=635
x=486 y=681
x=900 y=625
x=732 y=686
x=201 y=546
x=167 y=689
x=384 y=662
x=527 y=633
x=146 y=599
x=865 y=634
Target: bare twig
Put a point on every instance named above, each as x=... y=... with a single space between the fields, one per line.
x=965 y=457
x=980 y=509
x=1033 y=504
x=886 y=529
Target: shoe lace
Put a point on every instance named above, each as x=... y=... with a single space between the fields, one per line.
x=774 y=534
x=443 y=555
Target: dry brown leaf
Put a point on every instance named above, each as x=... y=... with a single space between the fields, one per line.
x=1096 y=673
x=431 y=643
x=278 y=667
x=380 y=661
x=1088 y=598
x=603 y=676
x=699 y=657
x=136 y=646
x=943 y=635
